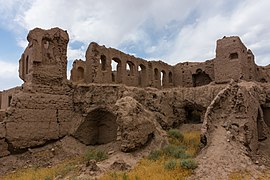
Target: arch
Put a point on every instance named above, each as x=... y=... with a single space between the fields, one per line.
x=170 y=77
x=163 y=78
x=117 y=69
x=27 y=65
x=80 y=73
x=99 y=127
x=200 y=78
x=130 y=68
x=156 y=73
x=103 y=62
x=142 y=75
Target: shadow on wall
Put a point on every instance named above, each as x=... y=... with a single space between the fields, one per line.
x=99 y=127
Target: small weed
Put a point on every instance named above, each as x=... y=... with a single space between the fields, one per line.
x=170 y=165
x=189 y=164
x=47 y=178
x=114 y=176
x=154 y=155
x=95 y=155
x=175 y=133
x=125 y=176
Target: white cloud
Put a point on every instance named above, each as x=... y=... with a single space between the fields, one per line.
x=197 y=41
x=107 y=22
x=76 y=53
x=8 y=69
x=9 y=75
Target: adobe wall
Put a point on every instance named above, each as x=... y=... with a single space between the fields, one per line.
x=233 y=61
x=193 y=74
x=7 y=96
x=263 y=74
x=130 y=70
x=77 y=71
x=44 y=61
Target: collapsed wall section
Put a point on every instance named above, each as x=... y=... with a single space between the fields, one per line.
x=192 y=74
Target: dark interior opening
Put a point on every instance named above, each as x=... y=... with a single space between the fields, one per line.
x=234 y=56
x=99 y=127
x=200 y=78
x=266 y=115
x=193 y=113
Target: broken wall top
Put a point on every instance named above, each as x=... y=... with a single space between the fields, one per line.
x=44 y=61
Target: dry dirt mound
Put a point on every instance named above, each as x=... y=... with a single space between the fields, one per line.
x=232 y=129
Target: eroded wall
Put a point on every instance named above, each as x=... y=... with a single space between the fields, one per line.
x=233 y=61
x=192 y=74
x=7 y=96
x=44 y=61
x=107 y=65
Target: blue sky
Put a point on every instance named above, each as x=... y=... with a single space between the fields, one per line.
x=169 y=30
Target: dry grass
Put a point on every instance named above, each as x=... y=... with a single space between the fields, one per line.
x=146 y=169
x=48 y=173
x=150 y=170
x=154 y=169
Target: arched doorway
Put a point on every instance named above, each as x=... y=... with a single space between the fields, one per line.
x=99 y=127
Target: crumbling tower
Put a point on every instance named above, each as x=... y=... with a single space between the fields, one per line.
x=44 y=61
x=233 y=60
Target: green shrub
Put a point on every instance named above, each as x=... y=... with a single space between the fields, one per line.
x=170 y=165
x=97 y=155
x=189 y=164
x=175 y=133
x=175 y=151
x=154 y=155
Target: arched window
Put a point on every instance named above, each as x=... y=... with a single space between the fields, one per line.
x=80 y=71
x=163 y=78
x=116 y=69
x=103 y=62
x=130 y=68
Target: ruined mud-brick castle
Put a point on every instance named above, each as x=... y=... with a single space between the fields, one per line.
x=99 y=105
